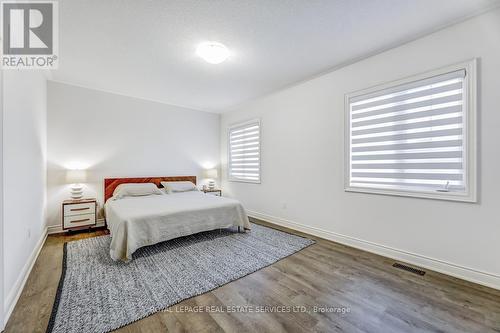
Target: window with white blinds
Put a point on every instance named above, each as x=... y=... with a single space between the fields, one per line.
x=244 y=152
x=413 y=138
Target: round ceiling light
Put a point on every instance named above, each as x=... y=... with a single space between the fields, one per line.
x=212 y=52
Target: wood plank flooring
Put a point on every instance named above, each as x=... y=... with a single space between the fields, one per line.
x=374 y=296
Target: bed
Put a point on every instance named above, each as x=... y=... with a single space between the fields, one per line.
x=139 y=221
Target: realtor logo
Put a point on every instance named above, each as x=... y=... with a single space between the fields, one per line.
x=29 y=34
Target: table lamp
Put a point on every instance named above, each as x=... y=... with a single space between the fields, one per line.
x=211 y=175
x=76 y=178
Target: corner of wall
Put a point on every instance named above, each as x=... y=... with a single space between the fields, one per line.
x=2 y=317
x=26 y=106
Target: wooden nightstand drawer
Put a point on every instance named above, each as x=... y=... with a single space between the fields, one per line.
x=79 y=209
x=77 y=214
x=79 y=220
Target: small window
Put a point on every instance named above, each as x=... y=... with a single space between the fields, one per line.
x=244 y=152
x=415 y=137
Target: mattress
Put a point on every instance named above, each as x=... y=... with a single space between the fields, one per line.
x=135 y=222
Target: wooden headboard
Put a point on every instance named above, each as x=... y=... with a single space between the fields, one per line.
x=111 y=183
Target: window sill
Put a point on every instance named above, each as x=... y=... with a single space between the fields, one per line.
x=448 y=196
x=244 y=181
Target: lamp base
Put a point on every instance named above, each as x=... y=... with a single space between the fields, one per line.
x=76 y=191
x=211 y=185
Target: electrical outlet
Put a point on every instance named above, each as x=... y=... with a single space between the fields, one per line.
x=29 y=233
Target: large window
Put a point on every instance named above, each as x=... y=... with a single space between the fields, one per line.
x=244 y=152
x=414 y=137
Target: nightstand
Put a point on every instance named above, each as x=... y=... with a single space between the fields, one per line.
x=212 y=191
x=79 y=214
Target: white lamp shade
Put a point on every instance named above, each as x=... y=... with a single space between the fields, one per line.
x=210 y=173
x=76 y=176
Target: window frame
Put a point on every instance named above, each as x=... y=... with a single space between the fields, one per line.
x=228 y=147
x=469 y=136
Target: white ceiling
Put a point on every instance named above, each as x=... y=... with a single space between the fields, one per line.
x=146 y=49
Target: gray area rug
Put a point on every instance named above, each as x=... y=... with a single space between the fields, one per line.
x=96 y=294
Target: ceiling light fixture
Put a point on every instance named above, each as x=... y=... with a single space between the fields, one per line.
x=212 y=52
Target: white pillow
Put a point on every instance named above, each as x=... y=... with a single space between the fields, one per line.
x=135 y=189
x=179 y=186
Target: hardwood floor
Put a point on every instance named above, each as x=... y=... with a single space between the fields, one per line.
x=374 y=296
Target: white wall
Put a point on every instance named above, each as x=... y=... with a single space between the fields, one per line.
x=2 y=325
x=24 y=176
x=117 y=136
x=302 y=161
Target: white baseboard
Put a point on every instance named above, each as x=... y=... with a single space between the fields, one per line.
x=15 y=293
x=13 y=297
x=57 y=229
x=461 y=272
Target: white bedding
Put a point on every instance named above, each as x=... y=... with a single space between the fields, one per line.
x=139 y=221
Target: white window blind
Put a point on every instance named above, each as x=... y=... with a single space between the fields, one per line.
x=244 y=152
x=410 y=137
